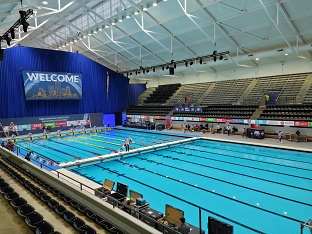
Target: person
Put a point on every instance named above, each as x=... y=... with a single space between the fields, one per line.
x=3 y=144
x=29 y=135
x=298 y=132
x=27 y=157
x=49 y=129
x=280 y=136
x=126 y=144
x=228 y=129
x=11 y=145
x=108 y=124
x=218 y=128
x=184 y=228
x=244 y=132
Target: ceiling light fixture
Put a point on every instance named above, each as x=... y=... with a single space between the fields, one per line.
x=155 y=3
x=45 y=2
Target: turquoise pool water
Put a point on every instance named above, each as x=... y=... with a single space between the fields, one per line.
x=266 y=190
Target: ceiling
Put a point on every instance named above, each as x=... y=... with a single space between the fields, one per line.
x=253 y=32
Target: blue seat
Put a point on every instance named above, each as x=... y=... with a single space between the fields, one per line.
x=45 y=199
x=33 y=220
x=44 y=228
x=53 y=203
x=88 y=230
x=60 y=210
x=90 y=214
x=69 y=217
x=24 y=211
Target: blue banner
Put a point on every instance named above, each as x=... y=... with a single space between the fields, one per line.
x=52 y=85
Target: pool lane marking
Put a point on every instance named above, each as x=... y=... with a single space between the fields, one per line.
x=203 y=208
x=224 y=181
x=206 y=190
x=36 y=153
x=89 y=151
x=81 y=142
x=242 y=165
x=90 y=139
x=237 y=173
x=57 y=150
x=256 y=154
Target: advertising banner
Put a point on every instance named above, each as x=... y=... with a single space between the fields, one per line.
x=188 y=109
x=52 y=85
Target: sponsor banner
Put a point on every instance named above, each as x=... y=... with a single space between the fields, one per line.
x=228 y=120
x=188 y=109
x=219 y=120
x=168 y=117
x=301 y=124
x=273 y=122
x=211 y=119
x=238 y=121
x=246 y=121
x=52 y=85
x=51 y=124
x=23 y=127
x=261 y=122
x=289 y=123
x=310 y=124
x=37 y=126
x=61 y=124
x=202 y=119
x=72 y=123
x=151 y=117
x=159 y=117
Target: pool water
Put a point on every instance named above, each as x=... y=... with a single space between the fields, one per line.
x=81 y=146
x=259 y=189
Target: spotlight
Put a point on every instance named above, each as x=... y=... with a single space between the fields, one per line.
x=154 y=69
x=174 y=66
x=214 y=58
x=186 y=63
x=221 y=57
x=163 y=67
x=172 y=61
x=8 y=40
x=200 y=61
x=214 y=52
x=143 y=71
x=171 y=71
x=167 y=67
x=130 y=73
x=147 y=71
x=191 y=63
x=136 y=72
x=12 y=33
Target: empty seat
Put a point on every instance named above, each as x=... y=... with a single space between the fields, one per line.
x=16 y=203
x=6 y=190
x=74 y=204
x=79 y=224
x=24 y=211
x=82 y=209
x=33 y=220
x=90 y=214
x=69 y=217
x=88 y=230
x=60 y=210
x=34 y=189
x=40 y=193
x=61 y=195
x=44 y=228
x=52 y=203
x=67 y=199
x=11 y=196
x=4 y=185
x=45 y=199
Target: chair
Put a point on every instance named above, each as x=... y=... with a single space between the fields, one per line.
x=11 y=196
x=67 y=199
x=24 y=211
x=69 y=217
x=44 y=228
x=60 y=210
x=90 y=214
x=34 y=189
x=53 y=203
x=74 y=204
x=45 y=199
x=6 y=190
x=33 y=220
x=61 y=195
x=82 y=209
x=40 y=193
x=88 y=230
x=4 y=185
x=19 y=202
x=78 y=224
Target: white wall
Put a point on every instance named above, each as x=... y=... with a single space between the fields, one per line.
x=298 y=66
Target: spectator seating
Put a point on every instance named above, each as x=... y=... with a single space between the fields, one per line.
x=162 y=93
x=148 y=110
x=288 y=112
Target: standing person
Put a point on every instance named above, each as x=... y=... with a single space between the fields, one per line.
x=184 y=228
x=244 y=132
x=228 y=129
x=280 y=136
x=27 y=157
x=127 y=144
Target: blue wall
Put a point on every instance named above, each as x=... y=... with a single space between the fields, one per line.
x=94 y=84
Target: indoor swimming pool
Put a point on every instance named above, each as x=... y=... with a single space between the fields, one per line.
x=256 y=189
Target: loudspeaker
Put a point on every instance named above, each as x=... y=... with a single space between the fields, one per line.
x=171 y=71
x=1 y=54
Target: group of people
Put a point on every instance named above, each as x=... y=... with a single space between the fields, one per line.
x=9 y=144
x=126 y=145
